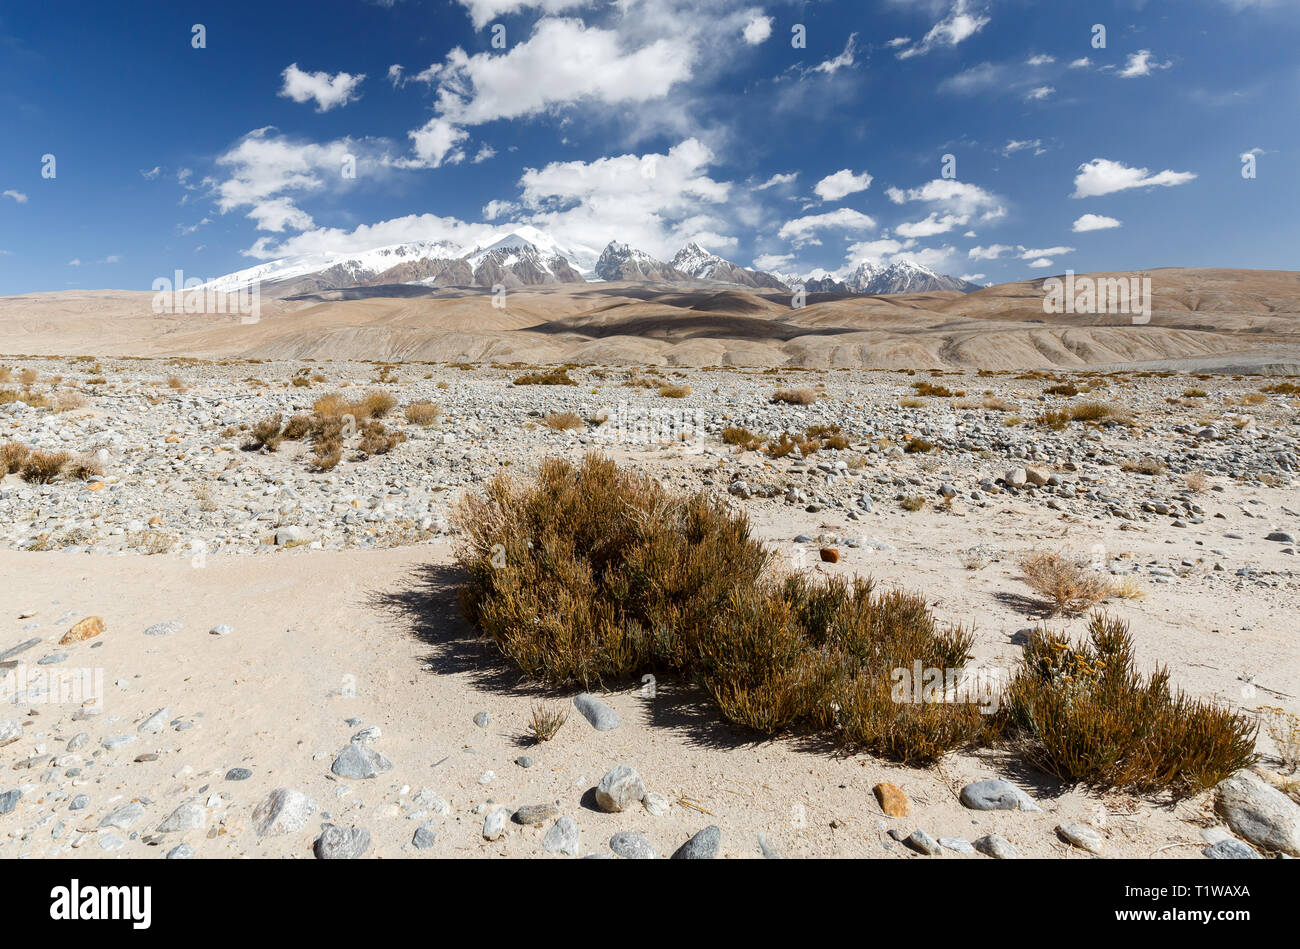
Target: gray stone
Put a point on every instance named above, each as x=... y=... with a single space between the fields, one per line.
x=1081 y=836
x=222 y=630
x=9 y=800
x=186 y=817
x=656 y=804
x=341 y=843
x=495 y=824
x=601 y=716
x=79 y=803
x=21 y=647
x=1281 y=537
x=1231 y=850
x=619 y=789
x=282 y=811
x=923 y=843
x=124 y=816
x=703 y=846
x=165 y=629
x=995 y=795
x=367 y=735
x=238 y=774
x=155 y=722
x=482 y=719
x=996 y=847
x=426 y=835
x=110 y=842
x=360 y=761
x=956 y=844
x=562 y=837
x=78 y=741
x=1261 y=814
x=180 y=852
x=120 y=741
x=10 y=732
x=536 y=813
x=632 y=846
x=768 y=851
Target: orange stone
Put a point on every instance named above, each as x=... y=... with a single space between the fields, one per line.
x=171 y=439
x=892 y=799
x=88 y=628
x=830 y=555
x=155 y=521
x=95 y=486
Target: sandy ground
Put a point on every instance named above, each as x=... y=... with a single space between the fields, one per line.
x=321 y=637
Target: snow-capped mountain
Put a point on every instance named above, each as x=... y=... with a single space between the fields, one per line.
x=697 y=262
x=525 y=256
x=621 y=262
x=902 y=276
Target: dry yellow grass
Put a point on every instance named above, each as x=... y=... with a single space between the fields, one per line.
x=1068 y=586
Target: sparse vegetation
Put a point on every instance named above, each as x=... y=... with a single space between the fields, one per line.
x=44 y=467
x=674 y=391
x=552 y=377
x=1068 y=586
x=607 y=576
x=564 y=421
x=1085 y=715
x=546 y=722
x=12 y=457
x=795 y=396
x=423 y=413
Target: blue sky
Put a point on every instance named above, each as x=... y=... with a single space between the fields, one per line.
x=652 y=123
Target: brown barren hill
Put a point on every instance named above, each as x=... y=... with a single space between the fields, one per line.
x=1239 y=320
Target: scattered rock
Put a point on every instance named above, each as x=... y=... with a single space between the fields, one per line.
x=495 y=824
x=124 y=816
x=829 y=555
x=923 y=843
x=1081 y=836
x=632 y=846
x=165 y=628
x=619 y=789
x=703 y=846
x=10 y=732
x=341 y=843
x=238 y=774
x=88 y=628
x=283 y=811
x=359 y=762
x=1231 y=850
x=155 y=722
x=536 y=814
x=892 y=800
x=562 y=837
x=1261 y=814
x=186 y=817
x=426 y=835
x=956 y=844
x=9 y=800
x=995 y=795
x=601 y=716
x=180 y=852
x=997 y=847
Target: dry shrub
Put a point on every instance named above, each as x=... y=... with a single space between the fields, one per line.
x=1143 y=466
x=918 y=446
x=1197 y=482
x=267 y=433
x=1070 y=587
x=552 y=377
x=546 y=722
x=795 y=396
x=563 y=421
x=175 y=382
x=593 y=575
x=913 y=503
x=28 y=377
x=931 y=391
x=1284 y=728
x=70 y=402
x=6 y=374
x=377 y=440
x=326 y=456
x=298 y=427
x=743 y=437
x=1084 y=714
x=12 y=457
x=1254 y=398
x=994 y=403
x=83 y=467
x=42 y=467
x=1064 y=389
x=1282 y=388
x=782 y=446
x=674 y=391
x=423 y=413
